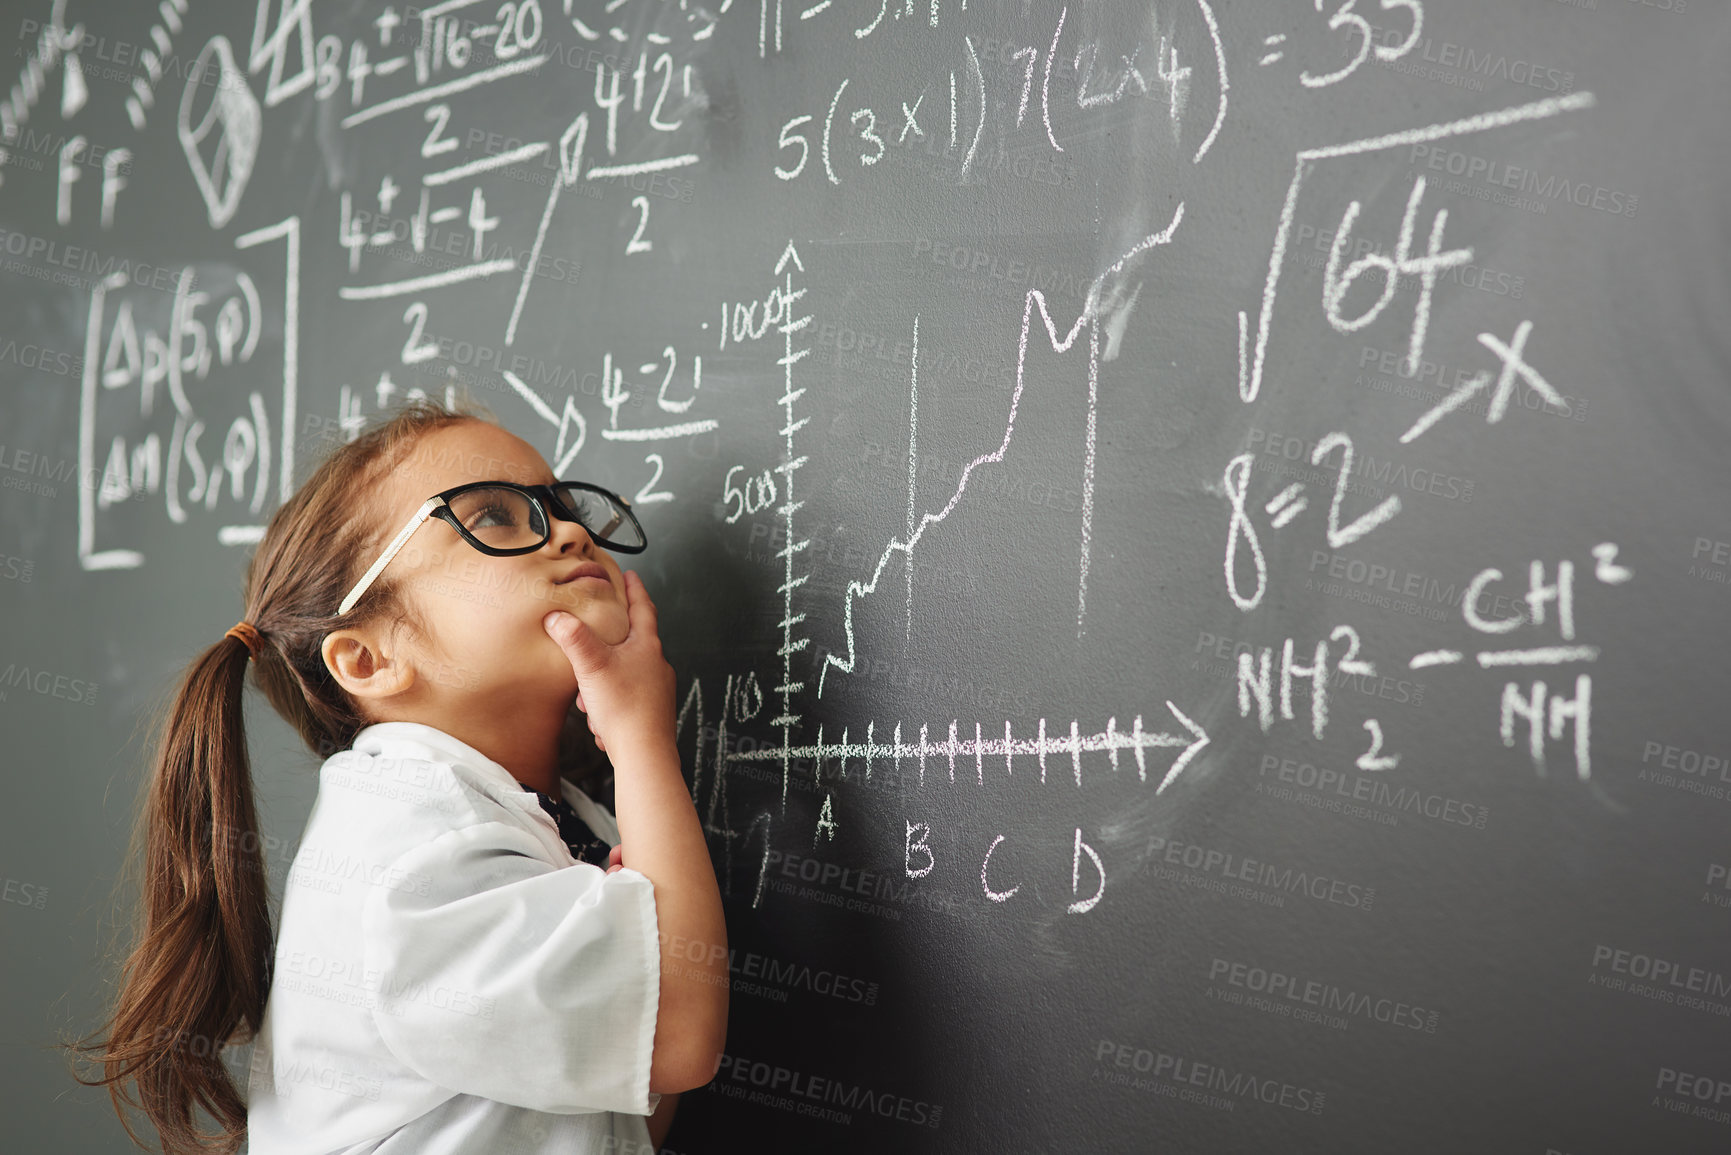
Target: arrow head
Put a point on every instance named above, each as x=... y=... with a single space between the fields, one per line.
x=571 y=149
x=1190 y=751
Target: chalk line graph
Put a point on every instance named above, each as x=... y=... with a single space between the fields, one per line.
x=1088 y=318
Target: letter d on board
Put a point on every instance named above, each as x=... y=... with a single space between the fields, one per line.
x=1082 y=906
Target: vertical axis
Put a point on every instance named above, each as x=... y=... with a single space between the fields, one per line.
x=913 y=469
x=790 y=645
x=1088 y=471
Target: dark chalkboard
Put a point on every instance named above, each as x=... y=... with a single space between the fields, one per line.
x=1194 y=534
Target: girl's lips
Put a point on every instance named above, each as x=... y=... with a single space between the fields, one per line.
x=588 y=569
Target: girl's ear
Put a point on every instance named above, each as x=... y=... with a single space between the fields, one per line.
x=362 y=665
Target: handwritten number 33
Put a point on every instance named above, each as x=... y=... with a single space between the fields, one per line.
x=1344 y=17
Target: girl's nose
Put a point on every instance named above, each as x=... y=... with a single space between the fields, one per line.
x=570 y=536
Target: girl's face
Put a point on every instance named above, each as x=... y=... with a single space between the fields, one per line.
x=484 y=613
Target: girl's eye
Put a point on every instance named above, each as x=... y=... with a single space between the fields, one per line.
x=481 y=516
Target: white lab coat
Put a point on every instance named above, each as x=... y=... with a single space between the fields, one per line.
x=448 y=978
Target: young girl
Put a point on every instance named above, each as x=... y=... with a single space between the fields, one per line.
x=474 y=955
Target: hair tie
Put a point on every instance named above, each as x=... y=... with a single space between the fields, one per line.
x=247 y=633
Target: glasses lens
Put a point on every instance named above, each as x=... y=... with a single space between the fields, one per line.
x=600 y=514
x=501 y=518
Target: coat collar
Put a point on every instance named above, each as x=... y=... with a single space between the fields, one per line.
x=417 y=740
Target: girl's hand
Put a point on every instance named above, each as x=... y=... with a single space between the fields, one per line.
x=615 y=859
x=625 y=690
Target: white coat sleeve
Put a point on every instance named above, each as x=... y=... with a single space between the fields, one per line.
x=503 y=976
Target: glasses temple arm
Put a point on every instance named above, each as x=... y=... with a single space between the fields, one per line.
x=391 y=551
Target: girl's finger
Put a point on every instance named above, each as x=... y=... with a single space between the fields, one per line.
x=639 y=608
x=587 y=653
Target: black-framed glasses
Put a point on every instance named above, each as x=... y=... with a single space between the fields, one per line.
x=503 y=519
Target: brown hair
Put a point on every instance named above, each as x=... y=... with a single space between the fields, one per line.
x=199 y=968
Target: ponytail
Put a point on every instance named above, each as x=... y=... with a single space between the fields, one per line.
x=198 y=974
x=199 y=971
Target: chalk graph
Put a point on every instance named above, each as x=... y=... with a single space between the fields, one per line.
x=742 y=698
x=1089 y=318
